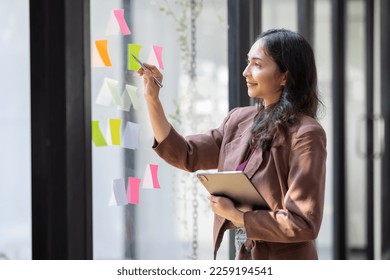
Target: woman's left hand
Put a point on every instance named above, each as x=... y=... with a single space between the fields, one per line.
x=224 y=207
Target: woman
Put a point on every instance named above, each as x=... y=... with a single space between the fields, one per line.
x=278 y=144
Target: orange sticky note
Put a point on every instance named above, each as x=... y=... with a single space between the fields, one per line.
x=102 y=47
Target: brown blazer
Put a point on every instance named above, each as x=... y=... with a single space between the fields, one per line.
x=290 y=177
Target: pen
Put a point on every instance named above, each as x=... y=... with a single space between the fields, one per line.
x=144 y=68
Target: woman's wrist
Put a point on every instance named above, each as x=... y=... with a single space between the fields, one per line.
x=237 y=218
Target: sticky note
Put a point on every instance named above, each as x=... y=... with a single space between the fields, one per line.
x=158 y=52
x=96 y=60
x=115 y=131
x=104 y=97
x=126 y=102
x=131 y=136
x=119 y=191
x=120 y=17
x=152 y=59
x=150 y=177
x=135 y=50
x=133 y=190
x=132 y=92
x=97 y=135
x=102 y=48
x=113 y=87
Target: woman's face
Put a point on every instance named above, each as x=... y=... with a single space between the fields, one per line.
x=263 y=78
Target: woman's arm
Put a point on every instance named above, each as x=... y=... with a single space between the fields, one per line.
x=158 y=119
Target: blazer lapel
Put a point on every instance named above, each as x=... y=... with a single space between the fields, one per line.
x=254 y=163
x=236 y=150
x=257 y=157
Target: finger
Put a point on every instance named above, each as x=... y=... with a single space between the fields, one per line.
x=152 y=70
x=141 y=72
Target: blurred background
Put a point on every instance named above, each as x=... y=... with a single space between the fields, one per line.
x=56 y=184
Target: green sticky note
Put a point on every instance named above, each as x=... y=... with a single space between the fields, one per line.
x=113 y=86
x=132 y=92
x=135 y=50
x=115 y=129
x=97 y=135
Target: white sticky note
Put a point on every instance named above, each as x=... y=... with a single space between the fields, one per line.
x=96 y=60
x=112 y=27
x=112 y=201
x=152 y=59
x=104 y=97
x=119 y=190
x=131 y=136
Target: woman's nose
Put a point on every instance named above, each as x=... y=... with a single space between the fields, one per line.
x=245 y=73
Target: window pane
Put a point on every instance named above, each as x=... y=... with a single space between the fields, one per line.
x=15 y=151
x=279 y=14
x=161 y=225
x=356 y=134
x=322 y=49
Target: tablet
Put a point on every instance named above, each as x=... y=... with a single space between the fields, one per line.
x=234 y=185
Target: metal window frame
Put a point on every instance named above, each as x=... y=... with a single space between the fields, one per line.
x=61 y=129
x=385 y=109
x=339 y=151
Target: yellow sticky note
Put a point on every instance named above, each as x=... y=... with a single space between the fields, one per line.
x=97 y=135
x=135 y=50
x=115 y=130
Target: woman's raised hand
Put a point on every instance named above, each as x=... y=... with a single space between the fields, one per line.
x=151 y=89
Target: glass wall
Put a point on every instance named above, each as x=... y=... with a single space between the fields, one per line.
x=356 y=130
x=323 y=53
x=15 y=151
x=279 y=14
x=171 y=219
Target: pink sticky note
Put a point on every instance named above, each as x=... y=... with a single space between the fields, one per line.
x=158 y=51
x=133 y=190
x=120 y=17
x=153 y=170
x=150 y=177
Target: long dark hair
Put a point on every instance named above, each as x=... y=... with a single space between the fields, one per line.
x=292 y=53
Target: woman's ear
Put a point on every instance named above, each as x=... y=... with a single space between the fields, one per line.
x=284 y=78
